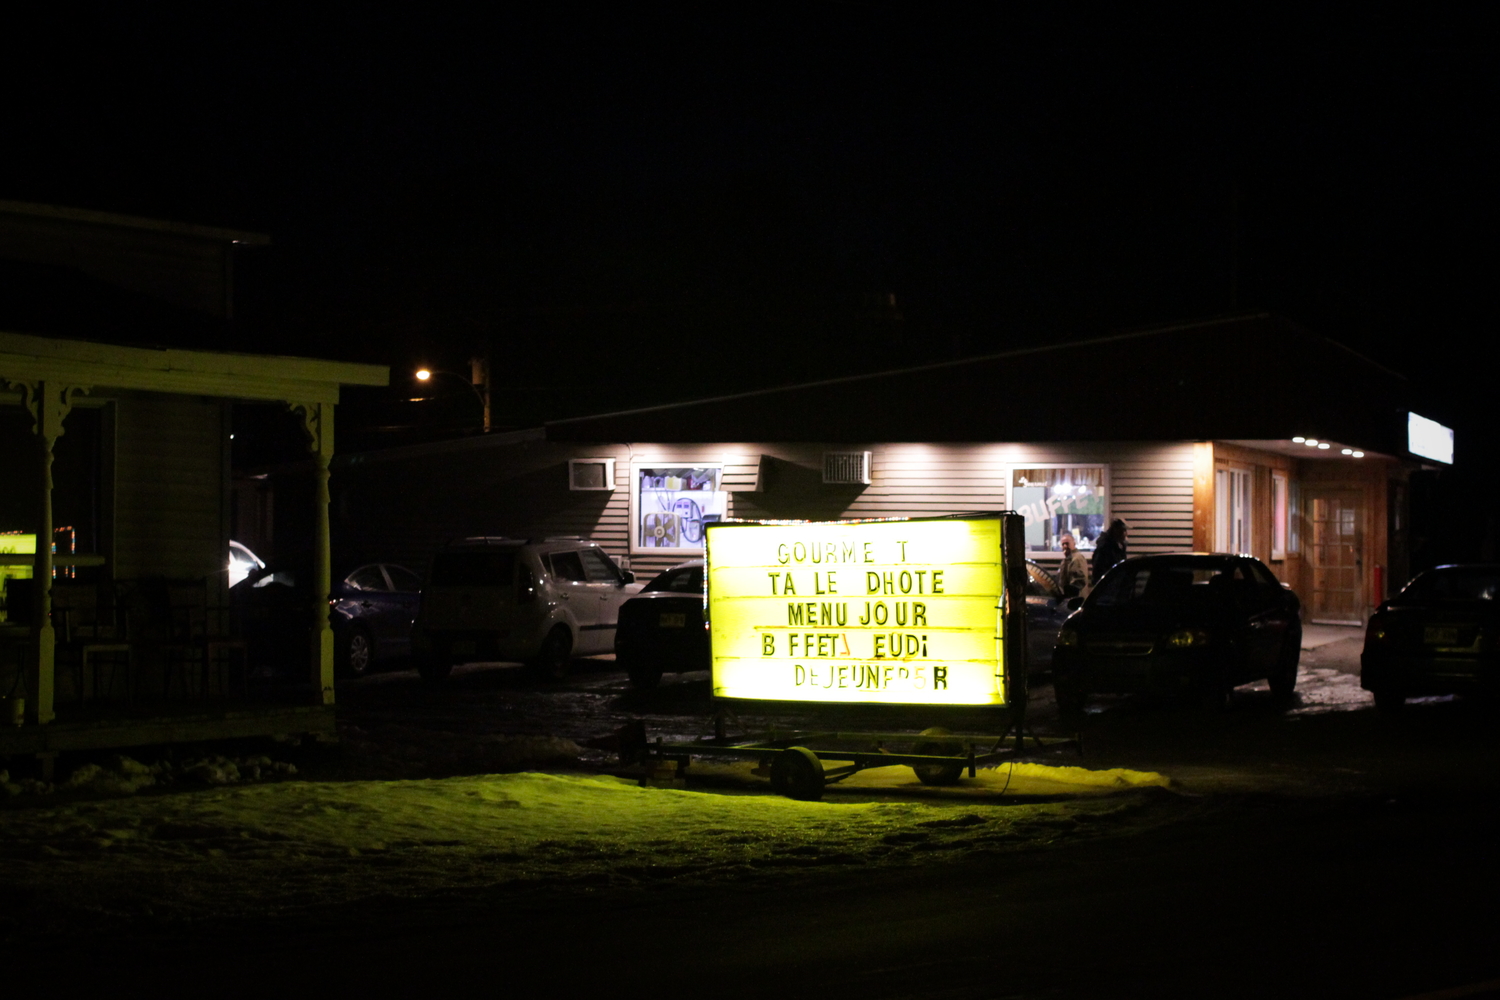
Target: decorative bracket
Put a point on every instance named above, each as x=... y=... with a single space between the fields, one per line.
x=317 y=424
x=48 y=403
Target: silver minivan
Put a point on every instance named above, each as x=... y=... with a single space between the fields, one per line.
x=537 y=601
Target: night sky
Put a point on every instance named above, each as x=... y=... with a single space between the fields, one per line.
x=633 y=203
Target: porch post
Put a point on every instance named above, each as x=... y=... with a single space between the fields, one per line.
x=317 y=421
x=1203 y=496
x=48 y=403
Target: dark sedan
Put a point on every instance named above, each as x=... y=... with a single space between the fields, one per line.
x=1046 y=610
x=1436 y=637
x=662 y=627
x=1191 y=624
x=372 y=610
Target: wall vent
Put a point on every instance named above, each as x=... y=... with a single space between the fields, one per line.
x=846 y=467
x=591 y=473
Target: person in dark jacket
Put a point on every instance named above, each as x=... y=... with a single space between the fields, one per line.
x=1110 y=548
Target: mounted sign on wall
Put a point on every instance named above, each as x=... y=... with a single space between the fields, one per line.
x=1429 y=439
x=885 y=612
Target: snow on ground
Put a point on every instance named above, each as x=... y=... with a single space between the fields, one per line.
x=287 y=845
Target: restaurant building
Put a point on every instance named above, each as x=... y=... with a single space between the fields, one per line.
x=1246 y=434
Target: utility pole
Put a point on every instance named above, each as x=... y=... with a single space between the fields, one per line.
x=479 y=375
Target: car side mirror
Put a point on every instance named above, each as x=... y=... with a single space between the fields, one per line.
x=626 y=576
x=1074 y=603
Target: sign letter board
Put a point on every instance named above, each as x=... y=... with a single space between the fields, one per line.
x=880 y=612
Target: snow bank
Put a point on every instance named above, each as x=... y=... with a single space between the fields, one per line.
x=266 y=847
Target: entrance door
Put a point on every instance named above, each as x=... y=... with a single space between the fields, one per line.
x=1337 y=520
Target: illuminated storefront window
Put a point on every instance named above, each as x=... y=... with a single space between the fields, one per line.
x=670 y=504
x=1056 y=499
x=1231 y=510
x=17 y=551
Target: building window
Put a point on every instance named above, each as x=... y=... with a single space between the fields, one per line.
x=1278 y=515
x=670 y=504
x=1056 y=499
x=1232 y=511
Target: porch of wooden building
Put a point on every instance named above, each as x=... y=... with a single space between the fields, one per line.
x=133 y=639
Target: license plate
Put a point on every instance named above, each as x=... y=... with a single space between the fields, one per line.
x=671 y=619
x=1435 y=635
x=462 y=646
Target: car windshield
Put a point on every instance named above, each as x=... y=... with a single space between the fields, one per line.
x=1456 y=583
x=474 y=568
x=683 y=580
x=1177 y=582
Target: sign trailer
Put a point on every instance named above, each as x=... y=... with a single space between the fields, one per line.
x=908 y=613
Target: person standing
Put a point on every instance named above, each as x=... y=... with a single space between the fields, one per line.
x=1111 y=548
x=1073 y=573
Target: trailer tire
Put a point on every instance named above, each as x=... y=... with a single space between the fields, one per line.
x=937 y=774
x=797 y=773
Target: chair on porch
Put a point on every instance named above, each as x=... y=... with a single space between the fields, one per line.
x=190 y=635
x=91 y=636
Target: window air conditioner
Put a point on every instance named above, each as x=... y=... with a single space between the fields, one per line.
x=846 y=467
x=591 y=473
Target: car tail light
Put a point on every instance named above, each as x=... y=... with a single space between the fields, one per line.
x=1067 y=637
x=1377 y=630
x=525 y=585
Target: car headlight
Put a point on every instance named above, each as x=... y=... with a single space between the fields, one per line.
x=1185 y=638
x=1067 y=637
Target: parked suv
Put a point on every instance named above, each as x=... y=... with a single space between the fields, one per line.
x=538 y=601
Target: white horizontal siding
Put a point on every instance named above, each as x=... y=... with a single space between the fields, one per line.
x=403 y=509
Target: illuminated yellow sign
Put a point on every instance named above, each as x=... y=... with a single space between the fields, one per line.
x=892 y=612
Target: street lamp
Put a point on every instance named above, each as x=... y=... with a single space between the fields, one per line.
x=479 y=376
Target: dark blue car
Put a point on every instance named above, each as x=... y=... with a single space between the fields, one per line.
x=372 y=610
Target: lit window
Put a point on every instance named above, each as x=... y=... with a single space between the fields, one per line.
x=1232 y=511
x=1058 y=499
x=670 y=504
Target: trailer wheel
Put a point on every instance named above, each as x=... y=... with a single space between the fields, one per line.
x=797 y=773
x=937 y=774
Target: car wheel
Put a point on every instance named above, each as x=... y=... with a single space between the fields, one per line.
x=1389 y=700
x=643 y=677
x=1069 y=699
x=358 y=652
x=434 y=670
x=797 y=773
x=551 y=664
x=1284 y=681
x=937 y=774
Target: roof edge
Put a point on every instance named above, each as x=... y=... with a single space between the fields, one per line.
x=934 y=366
x=42 y=211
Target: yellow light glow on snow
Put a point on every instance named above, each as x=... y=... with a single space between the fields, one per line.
x=889 y=612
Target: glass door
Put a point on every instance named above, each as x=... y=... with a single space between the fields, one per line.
x=1337 y=524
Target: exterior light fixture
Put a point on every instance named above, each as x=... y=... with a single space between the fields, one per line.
x=478 y=379
x=1298 y=439
x=1347 y=451
x=1324 y=446
x=1311 y=442
x=1359 y=454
